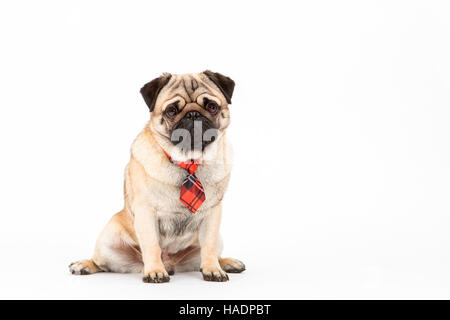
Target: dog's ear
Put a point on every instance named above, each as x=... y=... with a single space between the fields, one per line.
x=225 y=84
x=151 y=90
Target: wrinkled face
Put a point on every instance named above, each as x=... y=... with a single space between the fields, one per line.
x=190 y=110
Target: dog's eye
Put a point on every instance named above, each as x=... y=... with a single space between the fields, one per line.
x=171 y=111
x=212 y=107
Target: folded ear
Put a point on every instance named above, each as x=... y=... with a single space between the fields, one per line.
x=225 y=84
x=151 y=90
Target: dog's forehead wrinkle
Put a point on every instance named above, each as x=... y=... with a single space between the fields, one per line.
x=194 y=84
x=191 y=85
x=189 y=88
x=176 y=85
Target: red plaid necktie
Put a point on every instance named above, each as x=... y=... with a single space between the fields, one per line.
x=192 y=194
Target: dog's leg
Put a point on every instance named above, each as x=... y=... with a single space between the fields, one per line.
x=209 y=241
x=146 y=226
x=116 y=249
x=145 y=223
x=231 y=265
x=84 y=267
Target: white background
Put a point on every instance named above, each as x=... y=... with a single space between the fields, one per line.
x=340 y=125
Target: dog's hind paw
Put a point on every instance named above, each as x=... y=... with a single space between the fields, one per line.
x=231 y=265
x=83 y=267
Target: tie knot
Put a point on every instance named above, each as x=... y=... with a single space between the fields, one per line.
x=191 y=166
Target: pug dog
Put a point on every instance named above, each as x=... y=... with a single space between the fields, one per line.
x=174 y=185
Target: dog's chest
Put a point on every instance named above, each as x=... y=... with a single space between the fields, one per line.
x=166 y=196
x=178 y=230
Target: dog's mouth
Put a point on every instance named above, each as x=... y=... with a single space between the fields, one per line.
x=193 y=132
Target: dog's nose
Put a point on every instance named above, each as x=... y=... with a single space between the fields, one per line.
x=193 y=115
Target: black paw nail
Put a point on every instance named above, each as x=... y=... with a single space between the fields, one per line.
x=212 y=277
x=156 y=279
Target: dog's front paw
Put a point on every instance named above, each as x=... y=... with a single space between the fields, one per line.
x=156 y=276
x=214 y=274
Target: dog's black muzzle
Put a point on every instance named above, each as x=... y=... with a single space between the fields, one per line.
x=193 y=132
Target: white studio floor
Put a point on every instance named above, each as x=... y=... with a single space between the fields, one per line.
x=41 y=273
